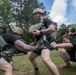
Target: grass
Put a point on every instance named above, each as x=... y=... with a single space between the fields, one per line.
x=26 y=68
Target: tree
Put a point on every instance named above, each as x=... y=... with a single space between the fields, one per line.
x=19 y=12
x=63 y=26
x=5 y=10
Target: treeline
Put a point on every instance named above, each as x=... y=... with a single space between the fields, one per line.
x=20 y=12
x=63 y=26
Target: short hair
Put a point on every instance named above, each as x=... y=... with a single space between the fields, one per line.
x=65 y=36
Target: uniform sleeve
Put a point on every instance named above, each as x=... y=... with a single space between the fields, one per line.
x=10 y=38
x=47 y=22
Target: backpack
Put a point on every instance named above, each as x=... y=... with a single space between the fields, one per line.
x=2 y=42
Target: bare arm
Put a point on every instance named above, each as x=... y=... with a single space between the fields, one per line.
x=62 y=45
x=71 y=33
x=24 y=46
x=51 y=28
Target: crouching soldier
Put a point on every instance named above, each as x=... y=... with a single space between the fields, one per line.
x=68 y=52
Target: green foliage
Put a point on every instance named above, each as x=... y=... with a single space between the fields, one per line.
x=73 y=25
x=23 y=11
x=58 y=35
x=63 y=26
x=5 y=10
x=20 y=12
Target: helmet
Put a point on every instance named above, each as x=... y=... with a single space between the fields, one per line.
x=38 y=10
x=17 y=30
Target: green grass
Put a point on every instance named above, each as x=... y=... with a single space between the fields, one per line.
x=26 y=68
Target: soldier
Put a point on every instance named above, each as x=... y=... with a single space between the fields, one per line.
x=18 y=32
x=7 y=40
x=69 y=52
x=47 y=27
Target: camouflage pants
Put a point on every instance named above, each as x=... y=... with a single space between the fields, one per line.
x=7 y=54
